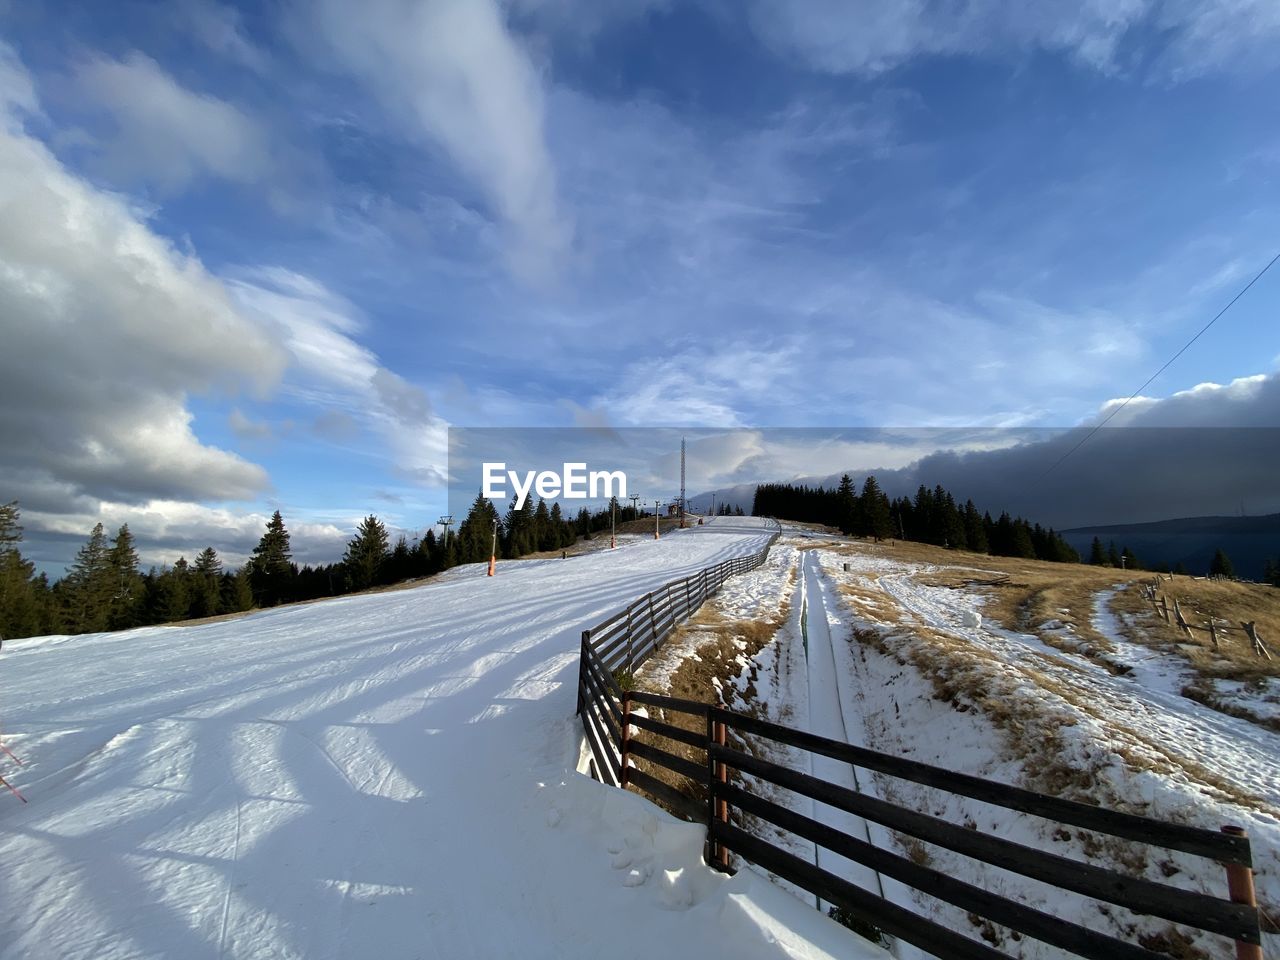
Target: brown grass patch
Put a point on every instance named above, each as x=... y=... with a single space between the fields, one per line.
x=1025 y=595
x=1226 y=600
x=966 y=677
x=719 y=644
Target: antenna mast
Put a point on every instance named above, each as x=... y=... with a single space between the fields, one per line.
x=682 y=483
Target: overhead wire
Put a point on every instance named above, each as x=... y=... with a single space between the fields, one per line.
x=1168 y=363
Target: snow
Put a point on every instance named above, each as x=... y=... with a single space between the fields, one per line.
x=386 y=775
x=1137 y=742
x=1142 y=743
x=826 y=719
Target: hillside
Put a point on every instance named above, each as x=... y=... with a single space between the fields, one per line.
x=1191 y=541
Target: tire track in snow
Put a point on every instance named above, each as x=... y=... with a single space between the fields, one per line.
x=235 y=858
x=827 y=719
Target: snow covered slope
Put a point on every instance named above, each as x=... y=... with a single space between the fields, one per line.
x=387 y=775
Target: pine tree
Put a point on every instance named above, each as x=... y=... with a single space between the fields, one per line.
x=399 y=564
x=950 y=521
x=271 y=569
x=1022 y=545
x=1096 y=555
x=475 y=534
x=366 y=554
x=1221 y=565
x=974 y=532
x=427 y=555
x=876 y=518
x=1271 y=572
x=846 y=513
x=207 y=584
x=545 y=537
x=126 y=598
x=175 y=592
x=1113 y=555
x=89 y=586
x=562 y=535
x=22 y=602
x=237 y=591
x=519 y=528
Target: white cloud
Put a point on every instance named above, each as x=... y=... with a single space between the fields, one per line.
x=1252 y=401
x=338 y=375
x=247 y=428
x=452 y=74
x=875 y=36
x=167 y=529
x=721 y=387
x=106 y=328
x=169 y=135
x=1210 y=35
x=220 y=28
x=17 y=93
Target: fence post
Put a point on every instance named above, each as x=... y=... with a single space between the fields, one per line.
x=582 y=665
x=1182 y=623
x=626 y=738
x=1213 y=633
x=653 y=621
x=711 y=855
x=1164 y=608
x=1251 y=628
x=629 y=609
x=722 y=806
x=1240 y=889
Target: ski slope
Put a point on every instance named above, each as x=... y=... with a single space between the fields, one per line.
x=387 y=775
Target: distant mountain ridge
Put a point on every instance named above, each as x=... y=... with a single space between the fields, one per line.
x=1191 y=541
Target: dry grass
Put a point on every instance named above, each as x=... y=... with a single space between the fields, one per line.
x=1228 y=602
x=967 y=677
x=1025 y=595
x=719 y=645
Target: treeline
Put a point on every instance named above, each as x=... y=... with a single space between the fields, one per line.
x=106 y=589
x=1122 y=558
x=932 y=516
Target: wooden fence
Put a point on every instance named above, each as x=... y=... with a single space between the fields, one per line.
x=631 y=636
x=618 y=734
x=1213 y=626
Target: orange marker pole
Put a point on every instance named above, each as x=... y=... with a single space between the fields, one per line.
x=13 y=789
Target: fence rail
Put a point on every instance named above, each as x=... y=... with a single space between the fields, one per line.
x=1215 y=626
x=618 y=735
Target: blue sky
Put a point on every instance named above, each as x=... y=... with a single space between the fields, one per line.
x=262 y=256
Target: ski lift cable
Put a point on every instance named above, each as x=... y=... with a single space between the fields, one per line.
x=1168 y=363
